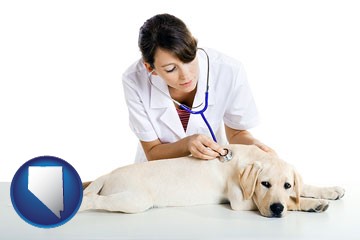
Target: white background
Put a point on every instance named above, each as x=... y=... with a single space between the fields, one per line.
x=61 y=64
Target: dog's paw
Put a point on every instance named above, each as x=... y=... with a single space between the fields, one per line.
x=320 y=206
x=334 y=193
x=340 y=192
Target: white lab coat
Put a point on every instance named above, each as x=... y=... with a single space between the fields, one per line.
x=153 y=116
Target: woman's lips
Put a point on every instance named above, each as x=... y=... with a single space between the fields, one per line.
x=186 y=84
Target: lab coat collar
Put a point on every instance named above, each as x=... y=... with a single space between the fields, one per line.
x=158 y=99
x=171 y=119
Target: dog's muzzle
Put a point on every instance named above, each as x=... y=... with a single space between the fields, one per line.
x=226 y=157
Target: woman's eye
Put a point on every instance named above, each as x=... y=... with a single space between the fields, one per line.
x=266 y=184
x=170 y=70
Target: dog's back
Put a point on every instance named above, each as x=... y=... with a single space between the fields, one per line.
x=182 y=181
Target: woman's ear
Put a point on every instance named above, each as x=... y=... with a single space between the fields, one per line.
x=149 y=68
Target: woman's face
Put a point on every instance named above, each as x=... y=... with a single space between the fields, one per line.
x=178 y=75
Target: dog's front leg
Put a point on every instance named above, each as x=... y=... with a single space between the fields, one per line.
x=331 y=193
x=308 y=205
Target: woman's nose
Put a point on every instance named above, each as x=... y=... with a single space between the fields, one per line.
x=184 y=72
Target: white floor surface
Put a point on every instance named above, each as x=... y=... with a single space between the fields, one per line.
x=340 y=221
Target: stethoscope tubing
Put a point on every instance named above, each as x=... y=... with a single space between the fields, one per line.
x=201 y=112
x=186 y=108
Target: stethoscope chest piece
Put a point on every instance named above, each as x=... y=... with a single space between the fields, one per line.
x=227 y=156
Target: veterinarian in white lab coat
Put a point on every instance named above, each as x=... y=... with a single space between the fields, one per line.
x=173 y=68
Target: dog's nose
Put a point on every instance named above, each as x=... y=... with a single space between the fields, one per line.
x=277 y=209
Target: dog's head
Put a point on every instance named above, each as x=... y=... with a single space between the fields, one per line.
x=272 y=184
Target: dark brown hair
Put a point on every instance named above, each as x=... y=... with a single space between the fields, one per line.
x=169 y=33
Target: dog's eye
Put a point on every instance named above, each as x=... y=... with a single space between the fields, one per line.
x=287 y=185
x=266 y=184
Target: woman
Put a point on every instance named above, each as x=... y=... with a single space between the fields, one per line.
x=173 y=68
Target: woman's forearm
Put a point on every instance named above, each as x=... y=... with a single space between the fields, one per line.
x=198 y=145
x=156 y=150
x=245 y=137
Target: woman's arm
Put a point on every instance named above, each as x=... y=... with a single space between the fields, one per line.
x=198 y=145
x=244 y=137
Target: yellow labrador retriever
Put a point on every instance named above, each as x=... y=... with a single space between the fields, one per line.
x=252 y=180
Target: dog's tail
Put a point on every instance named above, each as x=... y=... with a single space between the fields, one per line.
x=94 y=187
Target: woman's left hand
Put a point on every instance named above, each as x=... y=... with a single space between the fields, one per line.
x=265 y=148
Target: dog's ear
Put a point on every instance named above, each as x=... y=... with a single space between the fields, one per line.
x=248 y=177
x=297 y=187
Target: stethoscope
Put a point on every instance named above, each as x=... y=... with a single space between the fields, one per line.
x=228 y=155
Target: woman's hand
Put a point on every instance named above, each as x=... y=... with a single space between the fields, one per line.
x=264 y=147
x=203 y=147
x=244 y=137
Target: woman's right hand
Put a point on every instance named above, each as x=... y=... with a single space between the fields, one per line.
x=203 y=147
